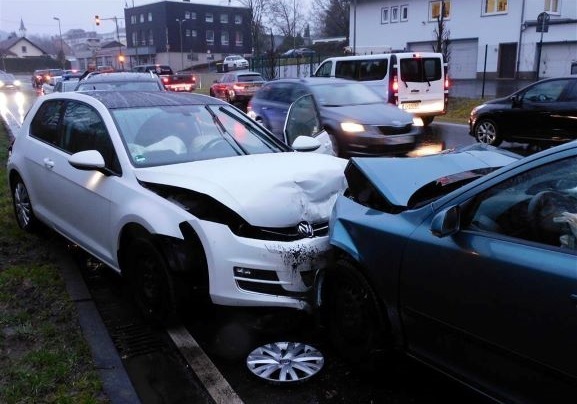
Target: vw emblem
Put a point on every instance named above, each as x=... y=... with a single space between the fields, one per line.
x=305 y=229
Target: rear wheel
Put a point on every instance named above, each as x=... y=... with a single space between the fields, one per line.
x=427 y=120
x=149 y=279
x=355 y=321
x=23 y=207
x=486 y=132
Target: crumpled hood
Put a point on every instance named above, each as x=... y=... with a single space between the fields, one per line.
x=272 y=190
x=397 y=178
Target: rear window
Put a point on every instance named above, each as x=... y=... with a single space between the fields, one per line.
x=250 y=77
x=421 y=70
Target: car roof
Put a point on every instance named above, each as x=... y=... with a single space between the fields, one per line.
x=138 y=99
x=119 y=76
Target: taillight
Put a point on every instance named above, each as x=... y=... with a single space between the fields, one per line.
x=394 y=88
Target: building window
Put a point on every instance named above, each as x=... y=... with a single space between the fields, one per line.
x=133 y=19
x=187 y=32
x=135 y=38
x=149 y=17
x=23 y=49
x=150 y=37
x=224 y=38
x=193 y=33
x=187 y=15
x=238 y=19
x=192 y=15
x=395 y=14
x=210 y=37
x=495 y=7
x=238 y=38
x=435 y=8
x=384 y=15
x=209 y=17
x=224 y=18
x=404 y=12
x=141 y=18
x=552 y=6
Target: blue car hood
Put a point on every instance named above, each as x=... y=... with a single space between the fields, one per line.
x=368 y=114
x=398 y=178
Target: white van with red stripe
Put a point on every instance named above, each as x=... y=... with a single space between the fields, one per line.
x=415 y=81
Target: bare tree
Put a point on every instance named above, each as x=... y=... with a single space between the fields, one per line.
x=331 y=17
x=258 y=10
x=287 y=18
x=442 y=34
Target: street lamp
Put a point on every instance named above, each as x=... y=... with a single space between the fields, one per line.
x=61 y=45
x=179 y=21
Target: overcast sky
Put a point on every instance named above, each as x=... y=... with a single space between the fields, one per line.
x=38 y=15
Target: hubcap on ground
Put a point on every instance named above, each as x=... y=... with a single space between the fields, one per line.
x=285 y=362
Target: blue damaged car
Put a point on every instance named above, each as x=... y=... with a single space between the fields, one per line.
x=466 y=261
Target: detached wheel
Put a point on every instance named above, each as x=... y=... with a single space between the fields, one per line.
x=355 y=322
x=150 y=281
x=486 y=132
x=23 y=207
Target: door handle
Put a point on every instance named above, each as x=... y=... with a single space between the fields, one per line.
x=48 y=163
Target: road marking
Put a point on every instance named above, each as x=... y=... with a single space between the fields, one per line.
x=213 y=380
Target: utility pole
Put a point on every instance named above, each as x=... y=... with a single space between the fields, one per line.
x=179 y=21
x=63 y=61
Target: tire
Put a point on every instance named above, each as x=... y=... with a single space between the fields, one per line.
x=150 y=282
x=335 y=143
x=486 y=132
x=355 y=322
x=427 y=120
x=23 y=209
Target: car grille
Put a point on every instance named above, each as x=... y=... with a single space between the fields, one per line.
x=394 y=130
x=284 y=233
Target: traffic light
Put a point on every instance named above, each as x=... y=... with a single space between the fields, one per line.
x=97 y=19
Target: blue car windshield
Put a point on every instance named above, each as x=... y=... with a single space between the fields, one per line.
x=178 y=134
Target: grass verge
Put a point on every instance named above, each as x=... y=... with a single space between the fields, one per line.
x=43 y=355
x=459 y=110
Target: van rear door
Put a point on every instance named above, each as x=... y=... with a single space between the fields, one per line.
x=421 y=83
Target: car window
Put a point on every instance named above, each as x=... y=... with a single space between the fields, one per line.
x=324 y=70
x=44 y=125
x=250 y=77
x=302 y=120
x=84 y=129
x=537 y=205
x=346 y=69
x=420 y=70
x=345 y=93
x=546 y=92
x=571 y=94
x=281 y=92
x=372 y=70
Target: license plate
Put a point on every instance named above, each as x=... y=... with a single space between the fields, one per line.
x=399 y=139
x=410 y=105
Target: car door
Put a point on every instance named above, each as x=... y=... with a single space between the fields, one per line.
x=77 y=202
x=533 y=116
x=494 y=302
x=561 y=123
x=274 y=100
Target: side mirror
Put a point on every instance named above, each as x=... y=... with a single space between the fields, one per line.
x=88 y=160
x=515 y=100
x=446 y=222
x=306 y=144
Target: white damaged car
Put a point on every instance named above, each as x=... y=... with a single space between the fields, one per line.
x=181 y=193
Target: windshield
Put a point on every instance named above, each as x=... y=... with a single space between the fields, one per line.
x=178 y=134
x=340 y=94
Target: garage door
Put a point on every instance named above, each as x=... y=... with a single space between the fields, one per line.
x=463 y=63
x=556 y=59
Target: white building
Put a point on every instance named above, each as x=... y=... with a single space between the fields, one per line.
x=495 y=37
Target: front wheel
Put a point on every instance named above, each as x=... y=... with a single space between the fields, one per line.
x=23 y=207
x=486 y=132
x=150 y=282
x=355 y=322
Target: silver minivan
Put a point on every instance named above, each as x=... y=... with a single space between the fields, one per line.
x=414 y=81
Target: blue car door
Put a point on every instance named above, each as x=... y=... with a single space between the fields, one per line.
x=496 y=301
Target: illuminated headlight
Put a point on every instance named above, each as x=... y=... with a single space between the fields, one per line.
x=17 y=83
x=352 y=127
x=417 y=121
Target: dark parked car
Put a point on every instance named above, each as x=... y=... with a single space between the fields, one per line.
x=466 y=266
x=359 y=121
x=299 y=52
x=236 y=87
x=542 y=114
x=121 y=81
